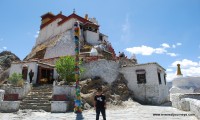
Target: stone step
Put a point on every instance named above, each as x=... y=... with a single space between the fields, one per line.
x=45 y=108
x=38 y=104
x=38 y=98
x=34 y=101
x=41 y=90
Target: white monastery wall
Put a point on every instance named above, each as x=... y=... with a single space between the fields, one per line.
x=152 y=91
x=67 y=25
x=18 y=69
x=106 y=70
x=65 y=46
x=92 y=37
x=53 y=29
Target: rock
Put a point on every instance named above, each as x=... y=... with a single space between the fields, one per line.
x=120 y=88
x=86 y=106
x=6 y=58
x=115 y=93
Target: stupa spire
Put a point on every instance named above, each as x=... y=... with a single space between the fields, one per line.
x=179 y=70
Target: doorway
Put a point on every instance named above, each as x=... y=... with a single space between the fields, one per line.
x=24 y=73
x=45 y=75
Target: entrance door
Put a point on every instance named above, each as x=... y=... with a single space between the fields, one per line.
x=24 y=73
x=45 y=75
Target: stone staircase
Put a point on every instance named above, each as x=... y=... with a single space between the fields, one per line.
x=38 y=99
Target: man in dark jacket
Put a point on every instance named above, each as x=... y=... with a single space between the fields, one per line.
x=31 y=74
x=100 y=104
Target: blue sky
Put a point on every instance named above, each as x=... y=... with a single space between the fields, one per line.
x=162 y=31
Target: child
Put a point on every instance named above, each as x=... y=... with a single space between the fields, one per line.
x=100 y=104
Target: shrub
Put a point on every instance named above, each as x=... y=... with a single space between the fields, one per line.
x=16 y=79
x=65 y=67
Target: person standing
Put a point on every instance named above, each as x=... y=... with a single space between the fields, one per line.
x=31 y=74
x=100 y=104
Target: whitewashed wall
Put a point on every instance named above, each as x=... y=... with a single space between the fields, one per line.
x=107 y=70
x=64 y=46
x=54 y=29
x=17 y=67
x=22 y=91
x=92 y=37
x=69 y=91
x=151 y=92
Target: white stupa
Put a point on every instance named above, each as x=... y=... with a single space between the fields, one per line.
x=133 y=58
x=93 y=52
x=189 y=84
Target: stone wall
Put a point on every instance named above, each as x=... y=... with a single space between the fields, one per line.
x=22 y=91
x=2 y=92
x=187 y=102
x=63 y=106
x=105 y=69
x=8 y=106
x=69 y=91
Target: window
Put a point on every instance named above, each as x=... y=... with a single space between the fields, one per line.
x=159 y=78
x=141 y=77
x=165 y=78
x=100 y=37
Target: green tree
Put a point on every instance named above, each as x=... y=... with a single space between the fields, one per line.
x=65 y=67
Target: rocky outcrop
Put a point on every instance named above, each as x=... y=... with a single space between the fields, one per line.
x=115 y=93
x=6 y=58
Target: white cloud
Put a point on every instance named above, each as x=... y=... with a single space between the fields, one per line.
x=37 y=33
x=169 y=70
x=160 y=50
x=173 y=46
x=146 y=50
x=185 y=63
x=172 y=54
x=199 y=57
x=170 y=76
x=178 y=44
x=4 y=48
x=165 y=45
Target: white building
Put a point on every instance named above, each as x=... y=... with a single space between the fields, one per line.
x=147 y=81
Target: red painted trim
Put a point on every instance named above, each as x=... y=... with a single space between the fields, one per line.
x=77 y=17
x=53 y=19
x=11 y=97
x=65 y=19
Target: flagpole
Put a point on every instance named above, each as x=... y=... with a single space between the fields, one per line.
x=77 y=106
